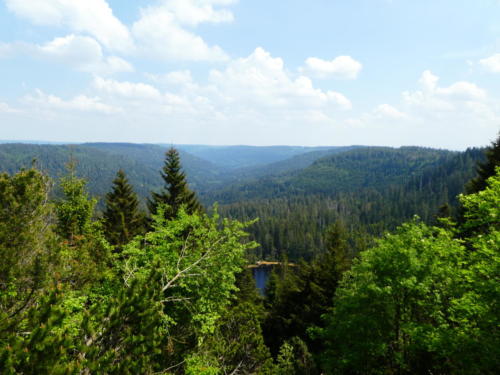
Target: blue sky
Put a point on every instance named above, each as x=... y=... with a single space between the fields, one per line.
x=316 y=72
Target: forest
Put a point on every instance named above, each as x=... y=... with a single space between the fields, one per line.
x=126 y=259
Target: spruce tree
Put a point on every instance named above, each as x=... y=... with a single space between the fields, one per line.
x=122 y=219
x=487 y=169
x=176 y=191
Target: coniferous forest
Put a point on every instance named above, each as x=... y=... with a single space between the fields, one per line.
x=140 y=259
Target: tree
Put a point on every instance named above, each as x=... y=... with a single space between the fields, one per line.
x=197 y=257
x=422 y=302
x=122 y=220
x=237 y=344
x=176 y=191
x=27 y=243
x=86 y=251
x=486 y=169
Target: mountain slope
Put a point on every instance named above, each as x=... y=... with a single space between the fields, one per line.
x=235 y=157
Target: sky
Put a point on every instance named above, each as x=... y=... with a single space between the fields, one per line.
x=254 y=72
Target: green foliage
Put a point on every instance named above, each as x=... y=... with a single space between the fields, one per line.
x=42 y=348
x=176 y=191
x=129 y=335
x=122 y=220
x=486 y=169
x=297 y=297
x=198 y=259
x=421 y=302
x=352 y=187
x=27 y=244
x=86 y=253
x=237 y=344
x=481 y=210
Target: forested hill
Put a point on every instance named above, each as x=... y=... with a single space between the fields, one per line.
x=353 y=170
x=237 y=157
x=99 y=162
x=371 y=190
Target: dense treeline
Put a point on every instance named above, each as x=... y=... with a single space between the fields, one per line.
x=168 y=292
x=292 y=224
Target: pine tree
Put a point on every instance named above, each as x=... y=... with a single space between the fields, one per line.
x=176 y=191
x=121 y=218
x=487 y=169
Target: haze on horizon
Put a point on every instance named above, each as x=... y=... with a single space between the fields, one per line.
x=251 y=72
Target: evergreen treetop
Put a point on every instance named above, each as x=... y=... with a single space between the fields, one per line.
x=487 y=169
x=176 y=191
x=121 y=218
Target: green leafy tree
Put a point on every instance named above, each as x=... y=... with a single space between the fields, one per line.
x=237 y=344
x=197 y=257
x=122 y=220
x=421 y=302
x=176 y=192
x=86 y=255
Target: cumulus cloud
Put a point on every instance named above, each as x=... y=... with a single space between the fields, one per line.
x=80 y=103
x=256 y=93
x=161 y=30
x=341 y=67
x=491 y=63
x=94 y=17
x=449 y=98
x=164 y=30
x=262 y=80
x=430 y=113
x=84 y=53
x=80 y=52
x=126 y=89
x=388 y=111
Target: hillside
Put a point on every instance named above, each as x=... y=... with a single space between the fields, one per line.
x=370 y=190
x=237 y=157
x=99 y=162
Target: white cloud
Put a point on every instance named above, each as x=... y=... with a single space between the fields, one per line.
x=388 y=111
x=458 y=115
x=438 y=98
x=81 y=103
x=261 y=80
x=80 y=52
x=5 y=108
x=160 y=37
x=89 y=16
x=84 y=53
x=126 y=89
x=194 y=12
x=428 y=80
x=161 y=30
x=341 y=67
x=492 y=63
x=253 y=97
x=175 y=78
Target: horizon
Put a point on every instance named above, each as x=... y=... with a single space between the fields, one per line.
x=62 y=143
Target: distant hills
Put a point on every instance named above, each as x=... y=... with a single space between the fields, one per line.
x=295 y=191
x=207 y=167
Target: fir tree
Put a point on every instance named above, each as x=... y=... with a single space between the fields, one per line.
x=487 y=169
x=176 y=191
x=121 y=218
